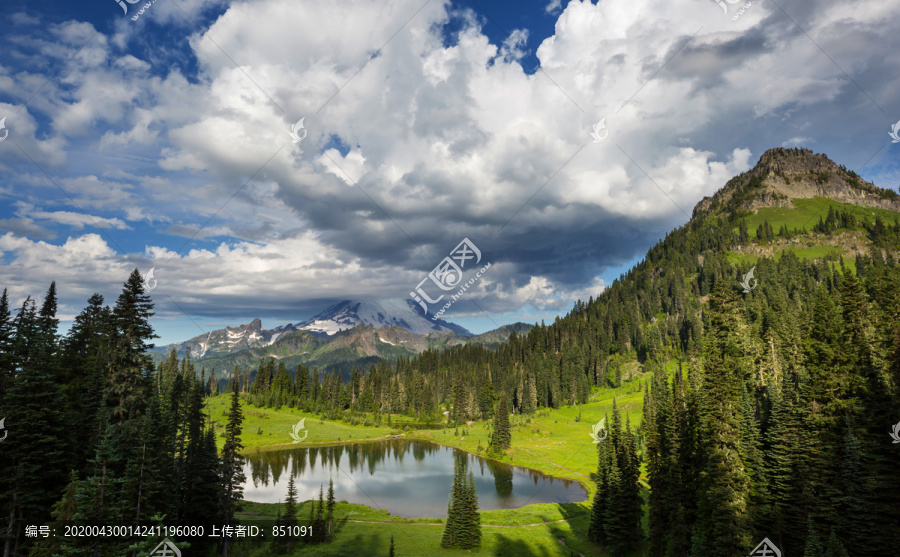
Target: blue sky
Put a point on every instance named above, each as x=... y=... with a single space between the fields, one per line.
x=163 y=142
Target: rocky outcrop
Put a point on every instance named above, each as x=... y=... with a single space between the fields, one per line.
x=785 y=174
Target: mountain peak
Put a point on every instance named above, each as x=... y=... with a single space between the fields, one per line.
x=347 y=314
x=783 y=174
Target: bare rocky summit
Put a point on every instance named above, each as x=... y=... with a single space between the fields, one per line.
x=785 y=174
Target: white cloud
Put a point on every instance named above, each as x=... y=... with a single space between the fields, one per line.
x=450 y=141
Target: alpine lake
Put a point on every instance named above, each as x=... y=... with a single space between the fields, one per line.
x=407 y=478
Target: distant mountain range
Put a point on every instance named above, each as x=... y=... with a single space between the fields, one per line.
x=345 y=335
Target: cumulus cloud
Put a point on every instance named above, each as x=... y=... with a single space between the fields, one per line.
x=438 y=139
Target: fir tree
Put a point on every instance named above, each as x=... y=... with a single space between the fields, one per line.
x=232 y=464
x=501 y=438
x=724 y=482
x=35 y=454
x=329 y=517
x=131 y=316
x=469 y=527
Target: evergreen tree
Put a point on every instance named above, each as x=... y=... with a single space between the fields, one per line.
x=459 y=527
x=469 y=528
x=127 y=393
x=35 y=453
x=288 y=518
x=501 y=438
x=723 y=521
x=232 y=474
x=329 y=517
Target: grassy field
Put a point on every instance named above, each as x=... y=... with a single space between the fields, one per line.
x=551 y=441
x=807 y=212
x=362 y=531
x=269 y=428
x=811 y=252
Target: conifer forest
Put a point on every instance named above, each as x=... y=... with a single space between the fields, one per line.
x=450 y=278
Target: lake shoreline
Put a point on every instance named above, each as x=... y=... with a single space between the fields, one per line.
x=581 y=495
x=323 y=444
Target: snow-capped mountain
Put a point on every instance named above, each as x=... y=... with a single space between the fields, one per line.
x=401 y=313
x=230 y=339
x=342 y=316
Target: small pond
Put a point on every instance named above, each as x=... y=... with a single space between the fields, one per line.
x=408 y=478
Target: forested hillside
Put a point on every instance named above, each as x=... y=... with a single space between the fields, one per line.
x=776 y=424
x=773 y=360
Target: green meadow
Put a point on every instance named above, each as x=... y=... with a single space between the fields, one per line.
x=553 y=441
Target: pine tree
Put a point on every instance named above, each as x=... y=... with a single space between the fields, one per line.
x=232 y=464
x=501 y=438
x=86 y=351
x=290 y=503
x=453 y=527
x=835 y=548
x=813 y=546
x=329 y=517
x=7 y=358
x=470 y=520
x=724 y=482
x=391 y=551
x=35 y=454
x=597 y=525
x=448 y=537
x=288 y=519
x=131 y=316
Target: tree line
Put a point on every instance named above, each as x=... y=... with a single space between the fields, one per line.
x=97 y=435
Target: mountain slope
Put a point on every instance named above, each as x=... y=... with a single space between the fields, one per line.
x=769 y=356
x=401 y=313
x=783 y=175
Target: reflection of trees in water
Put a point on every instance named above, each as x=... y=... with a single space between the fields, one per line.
x=272 y=464
x=503 y=477
x=313 y=453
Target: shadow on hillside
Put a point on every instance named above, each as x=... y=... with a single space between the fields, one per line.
x=358 y=546
x=507 y=547
x=569 y=510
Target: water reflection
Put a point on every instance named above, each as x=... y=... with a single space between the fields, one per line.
x=406 y=478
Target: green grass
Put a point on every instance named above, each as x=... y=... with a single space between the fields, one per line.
x=362 y=531
x=826 y=253
x=807 y=212
x=277 y=424
x=551 y=441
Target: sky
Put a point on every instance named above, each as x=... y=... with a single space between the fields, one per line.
x=562 y=139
